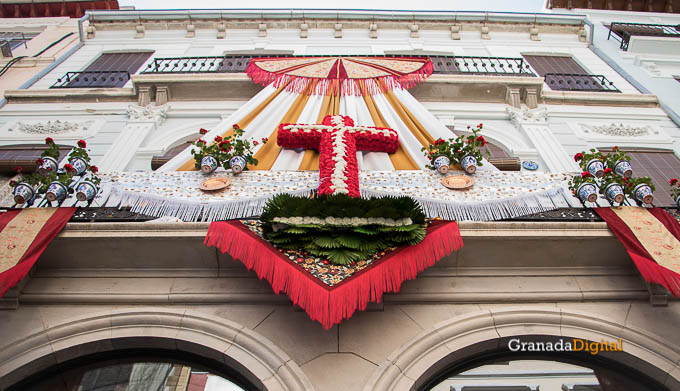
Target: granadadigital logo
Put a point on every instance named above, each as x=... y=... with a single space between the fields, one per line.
x=565 y=345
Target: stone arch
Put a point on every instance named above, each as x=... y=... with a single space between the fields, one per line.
x=506 y=139
x=485 y=332
x=260 y=361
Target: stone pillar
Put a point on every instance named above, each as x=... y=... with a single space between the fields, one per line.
x=534 y=124
x=191 y=30
x=142 y=121
x=373 y=31
x=513 y=97
x=143 y=96
x=338 y=30
x=139 y=31
x=221 y=30
x=162 y=95
x=455 y=32
x=262 y=30
x=531 y=99
x=304 y=27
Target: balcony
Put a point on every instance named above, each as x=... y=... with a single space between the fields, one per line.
x=499 y=66
x=624 y=31
x=93 y=79
x=579 y=82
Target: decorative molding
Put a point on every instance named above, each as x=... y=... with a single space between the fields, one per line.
x=150 y=113
x=619 y=130
x=525 y=116
x=50 y=127
x=609 y=132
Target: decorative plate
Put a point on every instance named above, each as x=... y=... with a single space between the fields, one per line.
x=458 y=182
x=530 y=165
x=213 y=184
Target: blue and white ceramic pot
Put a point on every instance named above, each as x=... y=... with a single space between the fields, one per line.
x=49 y=165
x=23 y=192
x=209 y=164
x=469 y=164
x=614 y=193
x=56 y=191
x=237 y=164
x=86 y=191
x=441 y=164
x=677 y=201
x=643 y=193
x=587 y=192
x=79 y=165
x=623 y=168
x=595 y=167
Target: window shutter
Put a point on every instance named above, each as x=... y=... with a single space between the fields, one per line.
x=109 y=70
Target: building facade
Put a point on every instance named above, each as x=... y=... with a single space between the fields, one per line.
x=147 y=298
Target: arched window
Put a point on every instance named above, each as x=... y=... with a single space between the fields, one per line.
x=540 y=375
x=144 y=372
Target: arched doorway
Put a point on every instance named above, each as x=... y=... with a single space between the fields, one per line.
x=482 y=338
x=214 y=345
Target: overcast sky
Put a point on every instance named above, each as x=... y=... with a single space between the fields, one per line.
x=462 y=5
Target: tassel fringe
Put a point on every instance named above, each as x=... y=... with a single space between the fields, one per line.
x=356 y=87
x=330 y=305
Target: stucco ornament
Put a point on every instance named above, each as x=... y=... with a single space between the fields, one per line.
x=51 y=127
x=150 y=113
x=527 y=116
x=619 y=130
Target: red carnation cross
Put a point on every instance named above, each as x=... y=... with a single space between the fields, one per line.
x=337 y=139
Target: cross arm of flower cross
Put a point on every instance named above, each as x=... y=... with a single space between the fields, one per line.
x=337 y=139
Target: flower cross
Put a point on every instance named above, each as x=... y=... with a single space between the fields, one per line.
x=338 y=140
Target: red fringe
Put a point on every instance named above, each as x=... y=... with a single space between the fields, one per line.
x=649 y=269
x=330 y=305
x=323 y=86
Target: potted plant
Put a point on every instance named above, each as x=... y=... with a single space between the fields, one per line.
x=24 y=186
x=48 y=161
x=592 y=161
x=79 y=158
x=88 y=188
x=231 y=152
x=640 y=189
x=675 y=190
x=584 y=187
x=612 y=186
x=463 y=150
x=618 y=161
x=55 y=185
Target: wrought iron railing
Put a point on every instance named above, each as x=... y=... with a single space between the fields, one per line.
x=579 y=82
x=226 y=64
x=626 y=30
x=504 y=66
x=441 y=64
x=98 y=79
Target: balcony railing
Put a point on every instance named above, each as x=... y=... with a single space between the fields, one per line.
x=502 y=66
x=579 y=82
x=626 y=30
x=442 y=65
x=93 y=79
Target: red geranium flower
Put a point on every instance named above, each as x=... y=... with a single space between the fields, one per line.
x=94 y=169
x=235 y=126
x=578 y=157
x=82 y=143
x=39 y=162
x=68 y=167
x=255 y=142
x=481 y=139
x=49 y=141
x=200 y=141
x=607 y=171
x=203 y=131
x=615 y=148
x=585 y=174
x=673 y=181
x=12 y=183
x=218 y=139
x=265 y=140
x=480 y=125
x=18 y=170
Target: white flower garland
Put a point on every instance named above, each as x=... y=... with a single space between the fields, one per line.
x=347 y=221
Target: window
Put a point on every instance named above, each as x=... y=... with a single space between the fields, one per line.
x=659 y=165
x=24 y=156
x=159 y=160
x=562 y=73
x=17 y=39
x=501 y=159
x=111 y=70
